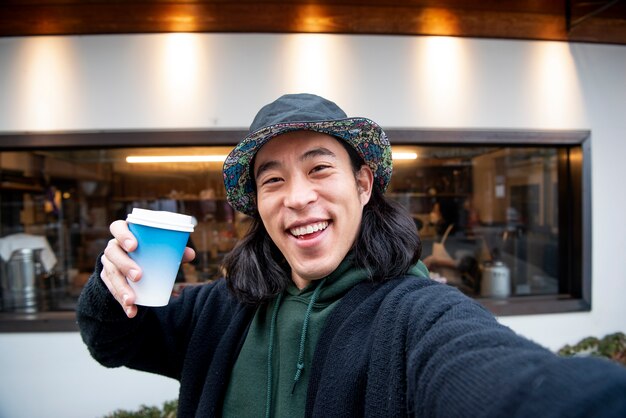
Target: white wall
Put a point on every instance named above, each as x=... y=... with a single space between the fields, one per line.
x=53 y=375
x=218 y=80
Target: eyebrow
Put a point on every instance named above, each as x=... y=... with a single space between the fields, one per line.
x=312 y=153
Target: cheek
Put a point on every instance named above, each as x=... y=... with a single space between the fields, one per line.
x=264 y=211
x=264 y=204
x=269 y=212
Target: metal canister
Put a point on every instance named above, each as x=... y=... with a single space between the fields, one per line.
x=19 y=292
x=496 y=280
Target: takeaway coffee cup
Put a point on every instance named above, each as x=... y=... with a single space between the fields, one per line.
x=161 y=240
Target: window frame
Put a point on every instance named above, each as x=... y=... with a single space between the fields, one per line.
x=574 y=202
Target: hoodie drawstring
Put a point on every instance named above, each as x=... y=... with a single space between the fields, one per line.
x=305 y=325
x=300 y=363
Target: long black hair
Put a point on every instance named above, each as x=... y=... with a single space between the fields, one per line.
x=386 y=247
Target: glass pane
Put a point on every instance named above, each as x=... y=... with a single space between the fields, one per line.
x=487 y=216
x=65 y=200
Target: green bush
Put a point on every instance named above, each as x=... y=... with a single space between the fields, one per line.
x=168 y=411
x=612 y=346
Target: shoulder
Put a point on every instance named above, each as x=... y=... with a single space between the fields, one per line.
x=429 y=294
x=414 y=290
x=409 y=300
x=425 y=305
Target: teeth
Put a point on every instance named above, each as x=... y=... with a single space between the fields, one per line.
x=309 y=229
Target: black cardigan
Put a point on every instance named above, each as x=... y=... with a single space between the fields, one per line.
x=405 y=347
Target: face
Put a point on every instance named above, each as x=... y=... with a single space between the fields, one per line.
x=310 y=201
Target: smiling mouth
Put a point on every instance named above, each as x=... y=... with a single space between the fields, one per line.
x=302 y=231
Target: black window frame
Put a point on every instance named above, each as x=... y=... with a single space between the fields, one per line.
x=574 y=200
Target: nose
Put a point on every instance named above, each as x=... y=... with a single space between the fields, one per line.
x=300 y=193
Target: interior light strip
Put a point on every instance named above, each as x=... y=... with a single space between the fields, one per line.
x=143 y=159
x=404 y=155
x=134 y=159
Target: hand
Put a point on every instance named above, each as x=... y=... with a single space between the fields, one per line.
x=118 y=266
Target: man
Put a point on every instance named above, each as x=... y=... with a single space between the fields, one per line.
x=325 y=309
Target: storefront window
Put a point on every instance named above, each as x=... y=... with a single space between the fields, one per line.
x=487 y=216
x=502 y=223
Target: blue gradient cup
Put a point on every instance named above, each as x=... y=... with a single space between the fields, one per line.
x=161 y=240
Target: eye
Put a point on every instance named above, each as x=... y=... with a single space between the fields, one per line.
x=270 y=180
x=319 y=167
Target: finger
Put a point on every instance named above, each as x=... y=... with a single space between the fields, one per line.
x=188 y=255
x=120 y=262
x=116 y=282
x=104 y=276
x=131 y=311
x=119 y=230
x=118 y=286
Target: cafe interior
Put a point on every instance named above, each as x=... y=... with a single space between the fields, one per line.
x=505 y=120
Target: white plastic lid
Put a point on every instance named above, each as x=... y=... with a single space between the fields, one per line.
x=161 y=219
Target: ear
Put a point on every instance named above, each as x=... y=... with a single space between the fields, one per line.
x=364 y=183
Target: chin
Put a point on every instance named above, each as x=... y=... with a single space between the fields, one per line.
x=318 y=271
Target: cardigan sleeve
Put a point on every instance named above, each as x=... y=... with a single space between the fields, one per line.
x=157 y=339
x=462 y=362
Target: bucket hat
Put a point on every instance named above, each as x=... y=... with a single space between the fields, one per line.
x=296 y=112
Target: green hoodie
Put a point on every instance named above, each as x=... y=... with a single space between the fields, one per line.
x=287 y=342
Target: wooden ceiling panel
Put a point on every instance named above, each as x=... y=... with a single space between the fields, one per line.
x=561 y=20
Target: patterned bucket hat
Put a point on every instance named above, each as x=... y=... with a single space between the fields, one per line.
x=297 y=112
